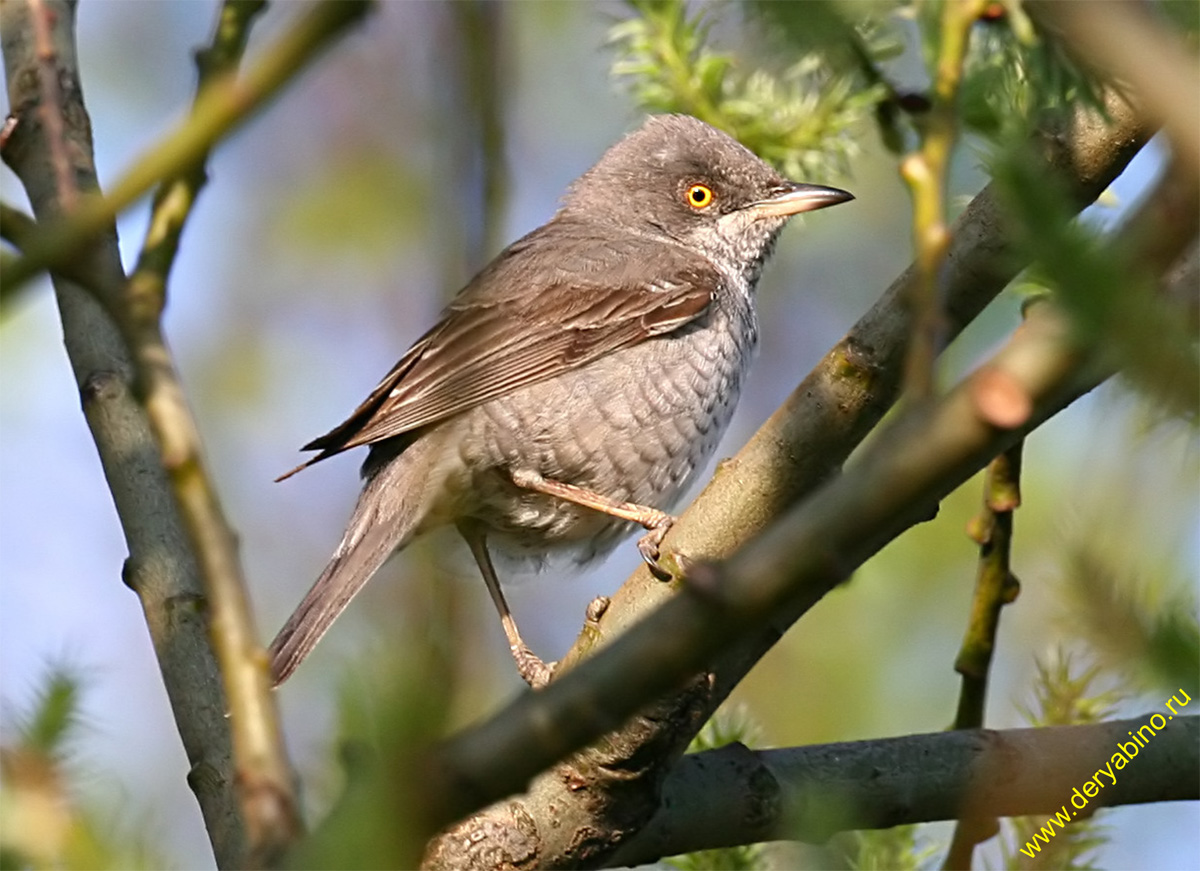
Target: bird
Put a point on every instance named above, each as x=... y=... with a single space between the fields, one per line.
x=573 y=389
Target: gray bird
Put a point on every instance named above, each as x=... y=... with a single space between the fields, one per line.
x=575 y=386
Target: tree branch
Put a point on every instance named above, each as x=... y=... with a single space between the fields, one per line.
x=263 y=775
x=161 y=567
x=732 y=796
x=225 y=105
x=176 y=194
x=1123 y=39
x=808 y=438
x=995 y=587
x=926 y=172
x=171 y=520
x=783 y=573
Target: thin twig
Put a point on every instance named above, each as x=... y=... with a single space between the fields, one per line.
x=264 y=779
x=20 y=230
x=177 y=192
x=995 y=587
x=225 y=106
x=16 y=227
x=926 y=171
x=995 y=583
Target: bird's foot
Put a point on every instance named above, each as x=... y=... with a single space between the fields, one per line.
x=530 y=666
x=596 y=609
x=649 y=545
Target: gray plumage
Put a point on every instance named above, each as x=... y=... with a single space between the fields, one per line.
x=605 y=350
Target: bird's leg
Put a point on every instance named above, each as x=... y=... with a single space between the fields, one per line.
x=532 y=669
x=656 y=522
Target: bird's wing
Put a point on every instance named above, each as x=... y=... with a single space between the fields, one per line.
x=486 y=347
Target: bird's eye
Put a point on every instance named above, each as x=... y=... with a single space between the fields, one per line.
x=699 y=196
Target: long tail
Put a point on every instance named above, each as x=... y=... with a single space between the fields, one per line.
x=390 y=507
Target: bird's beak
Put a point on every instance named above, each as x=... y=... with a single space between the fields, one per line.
x=797 y=198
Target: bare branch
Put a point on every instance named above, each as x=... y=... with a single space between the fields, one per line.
x=16 y=227
x=733 y=796
x=995 y=587
x=47 y=141
x=176 y=194
x=926 y=172
x=785 y=571
x=808 y=438
x=227 y=104
x=1122 y=39
x=161 y=567
x=264 y=779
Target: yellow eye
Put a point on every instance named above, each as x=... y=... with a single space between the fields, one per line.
x=699 y=196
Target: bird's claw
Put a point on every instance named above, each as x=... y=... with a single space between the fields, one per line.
x=649 y=546
x=530 y=666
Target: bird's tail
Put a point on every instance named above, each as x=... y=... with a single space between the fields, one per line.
x=389 y=509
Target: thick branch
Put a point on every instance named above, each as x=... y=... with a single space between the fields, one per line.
x=784 y=572
x=808 y=438
x=734 y=796
x=1124 y=39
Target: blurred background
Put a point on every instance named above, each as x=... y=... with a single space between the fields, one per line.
x=335 y=226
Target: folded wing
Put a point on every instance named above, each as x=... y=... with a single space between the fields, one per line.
x=484 y=348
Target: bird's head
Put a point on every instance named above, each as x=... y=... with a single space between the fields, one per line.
x=679 y=178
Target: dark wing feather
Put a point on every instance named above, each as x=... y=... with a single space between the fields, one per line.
x=484 y=348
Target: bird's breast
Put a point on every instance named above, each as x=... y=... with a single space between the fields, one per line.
x=635 y=425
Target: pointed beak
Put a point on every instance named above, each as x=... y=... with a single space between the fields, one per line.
x=796 y=198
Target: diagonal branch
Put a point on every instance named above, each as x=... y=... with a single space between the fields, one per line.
x=795 y=562
x=263 y=775
x=808 y=438
x=176 y=194
x=1126 y=40
x=224 y=107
